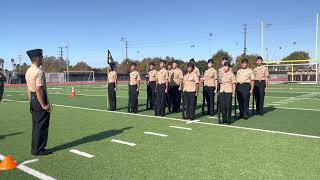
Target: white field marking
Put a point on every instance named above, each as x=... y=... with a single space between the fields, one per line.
x=178 y=127
x=213 y=117
x=123 y=142
x=8 y=95
x=156 y=134
x=274 y=104
x=31 y=171
x=281 y=102
x=191 y=121
x=182 y=120
x=30 y=161
x=55 y=88
x=81 y=153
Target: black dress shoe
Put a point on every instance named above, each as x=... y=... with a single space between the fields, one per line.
x=42 y=153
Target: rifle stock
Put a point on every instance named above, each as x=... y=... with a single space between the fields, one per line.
x=183 y=106
x=203 y=99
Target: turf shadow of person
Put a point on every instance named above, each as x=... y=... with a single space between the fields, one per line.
x=87 y=139
x=7 y=135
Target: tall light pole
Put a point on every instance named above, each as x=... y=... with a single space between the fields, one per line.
x=67 y=60
x=263 y=27
x=317 y=37
x=210 y=38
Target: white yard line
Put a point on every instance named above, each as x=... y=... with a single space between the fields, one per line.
x=182 y=120
x=179 y=127
x=156 y=134
x=31 y=171
x=123 y=142
x=213 y=117
x=81 y=153
x=192 y=121
x=29 y=161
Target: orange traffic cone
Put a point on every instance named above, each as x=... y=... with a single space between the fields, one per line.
x=73 y=92
x=8 y=163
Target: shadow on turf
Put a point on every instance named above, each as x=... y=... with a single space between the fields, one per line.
x=11 y=134
x=87 y=139
x=266 y=110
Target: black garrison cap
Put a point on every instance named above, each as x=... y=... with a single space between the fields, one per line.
x=133 y=64
x=210 y=61
x=259 y=58
x=227 y=64
x=225 y=59
x=190 y=64
x=34 y=53
x=192 y=60
x=152 y=64
x=163 y=61
x=244 y=61
x=174 y=61
x=169 y=63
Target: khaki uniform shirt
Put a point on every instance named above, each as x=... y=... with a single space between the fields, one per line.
x=245 y=76
x=162 y=76
x=134 y=77
x=190 y=80
x=176 y=77
x=112 y=77
x=197 y=71
x=261 y=72
x=210 y=75
x=152 y=75
x=35 y=77
x=227 y=79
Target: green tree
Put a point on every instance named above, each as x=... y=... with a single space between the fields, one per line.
x=81 y=66
x=251 y=58
x=297 y=55
x=53 y=64
x=218 y=56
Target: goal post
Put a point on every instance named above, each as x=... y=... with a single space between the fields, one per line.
x=293 y=71
x=79 y=76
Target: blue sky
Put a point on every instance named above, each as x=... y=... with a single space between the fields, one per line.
x=154 y=28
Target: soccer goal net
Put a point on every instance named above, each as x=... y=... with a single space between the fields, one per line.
x=293 y=72
x=79 y=76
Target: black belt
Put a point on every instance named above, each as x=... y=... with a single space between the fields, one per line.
x=162 y=84
x=243 y=83
x=260 y=80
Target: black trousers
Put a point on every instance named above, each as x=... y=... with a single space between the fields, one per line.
x=243 y=96
x=226 y=106
x=1 y=92
x=209 y=97
x=176 y=98
x=40 y=124
x=151 y=88
x=189 y=99
x=259 y=93
x=160 y=107
x=169 y=99
x=112 y=96
x=133 y=98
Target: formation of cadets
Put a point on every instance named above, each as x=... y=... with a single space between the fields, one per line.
x=168 y=88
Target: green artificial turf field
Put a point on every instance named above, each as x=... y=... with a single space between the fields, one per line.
x=282 y=144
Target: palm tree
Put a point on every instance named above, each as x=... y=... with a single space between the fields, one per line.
x=12 y=61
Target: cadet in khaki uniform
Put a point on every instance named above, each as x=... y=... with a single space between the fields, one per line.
x=169 y=95
x=261 y=75
x=245 y=84
x=112 y=89
x=209 y=83
x=175 y=82
x=190 y=89
x=39 y=103
x=2 y=80
x=224 y=60
x=134 y=84
x=197 y=72
x=151 y=86
x=227 y=91
x=161 y=89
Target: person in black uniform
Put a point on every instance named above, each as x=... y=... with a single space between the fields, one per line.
x=190 y=89
x=245 y=84
x=151 y=86
x=161 y=89
x=39 y=103
x=112 y=88
x=2 y=80
x=169 y=95
x=134 y=84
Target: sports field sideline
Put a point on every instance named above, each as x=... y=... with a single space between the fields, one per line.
x=90 y=142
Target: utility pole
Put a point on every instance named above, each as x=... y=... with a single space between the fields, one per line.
x=245 y=39
x=67 y=61
x=263 y=27
x=61 y=53
x=317 y=37
x=20 y=61
x=125 y=46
